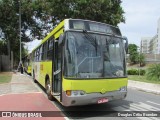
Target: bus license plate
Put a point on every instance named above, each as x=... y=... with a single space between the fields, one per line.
x=103 y=100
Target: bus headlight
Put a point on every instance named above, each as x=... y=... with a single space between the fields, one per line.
x=123 y=89
x=75 y=92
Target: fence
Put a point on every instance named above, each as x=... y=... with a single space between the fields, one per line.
x=152 y=58
x=5 y=63
x=0 y=63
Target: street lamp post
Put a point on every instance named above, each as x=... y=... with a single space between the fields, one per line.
x=139 y=60
x=155 y=55
x=20 y=31
x=20 y=61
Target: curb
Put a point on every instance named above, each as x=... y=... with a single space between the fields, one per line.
x=146 y=87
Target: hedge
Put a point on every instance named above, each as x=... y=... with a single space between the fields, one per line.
x=136 y=72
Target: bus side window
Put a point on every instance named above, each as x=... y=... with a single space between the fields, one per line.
x=43 y=48
x=50 y=49
x=35 y=55
x=40 y=53
x=44 y=51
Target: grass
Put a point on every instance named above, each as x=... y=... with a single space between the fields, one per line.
x=5 y=77
x=142 y=79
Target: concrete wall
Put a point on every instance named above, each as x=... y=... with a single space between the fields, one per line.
x=4 y=63
x=0 y=63
x=152 y=58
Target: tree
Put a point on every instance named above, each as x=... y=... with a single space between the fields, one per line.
x=107 y=11
x=133 y=54
x=40 y=16
x=3 y=47
x=153 y=72
x=141 y=59
x=9 y=27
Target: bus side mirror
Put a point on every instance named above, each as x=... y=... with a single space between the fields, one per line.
x=126 y=44
x=61 y=39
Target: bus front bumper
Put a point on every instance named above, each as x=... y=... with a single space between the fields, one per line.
x=91 y=98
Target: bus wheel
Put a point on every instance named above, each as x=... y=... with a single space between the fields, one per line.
x=48 y=90
x=34 y=80
x=29 y=74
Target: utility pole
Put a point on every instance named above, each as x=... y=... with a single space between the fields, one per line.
x=139 y=61
x=20 y=56
x=20 y=31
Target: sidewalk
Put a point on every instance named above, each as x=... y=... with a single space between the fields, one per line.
x=19 y=84
x=147 y=87
x=22 y=95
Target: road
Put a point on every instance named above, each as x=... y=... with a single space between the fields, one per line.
x=22 y=85
x=135 y=101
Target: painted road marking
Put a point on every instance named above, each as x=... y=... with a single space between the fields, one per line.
x=154 y=118
x=131 y=107
x=120 y=108
x=153 y=102
x=137 y=107
x=149 y=107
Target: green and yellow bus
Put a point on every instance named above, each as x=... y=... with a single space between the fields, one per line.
x=82 y=62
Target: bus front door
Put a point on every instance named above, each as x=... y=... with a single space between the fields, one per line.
x=57 y=72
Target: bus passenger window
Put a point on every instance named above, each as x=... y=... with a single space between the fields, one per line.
x=44 y=50
x=50 y=49
x=40 y=53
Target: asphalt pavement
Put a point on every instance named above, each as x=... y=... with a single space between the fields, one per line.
x=136 y=102
x=24 y=95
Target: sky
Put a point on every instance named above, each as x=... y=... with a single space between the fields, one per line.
x=141 y=19
x=31 y=45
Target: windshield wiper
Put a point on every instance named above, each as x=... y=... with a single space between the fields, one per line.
x=91 y=40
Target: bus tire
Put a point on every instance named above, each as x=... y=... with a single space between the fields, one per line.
x=48 y=90
x=29 y=74
x=34 y=80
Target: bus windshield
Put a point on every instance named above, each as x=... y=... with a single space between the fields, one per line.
x=90 y=55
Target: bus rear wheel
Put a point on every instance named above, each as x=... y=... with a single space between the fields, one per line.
x=48 y=90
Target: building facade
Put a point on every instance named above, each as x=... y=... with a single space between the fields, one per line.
x=145 y=43
x=158 y=32
x=151 y=45
x=154 y=45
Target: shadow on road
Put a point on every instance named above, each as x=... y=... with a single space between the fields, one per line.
x=87 y=111
x=96 y=110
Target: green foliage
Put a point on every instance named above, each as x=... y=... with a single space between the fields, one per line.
x=40 y=16
x=136 y=72
x=106 y=11
x=142 y=79
x=132 y=72
x=5 y=78
x=36 y=14
x=133 y=53
x=153 y=72
x=134 y=56
x=141 y=59
x=3 y=47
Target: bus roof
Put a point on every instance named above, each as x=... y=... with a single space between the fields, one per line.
x=64 y=25
x=55 y=30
